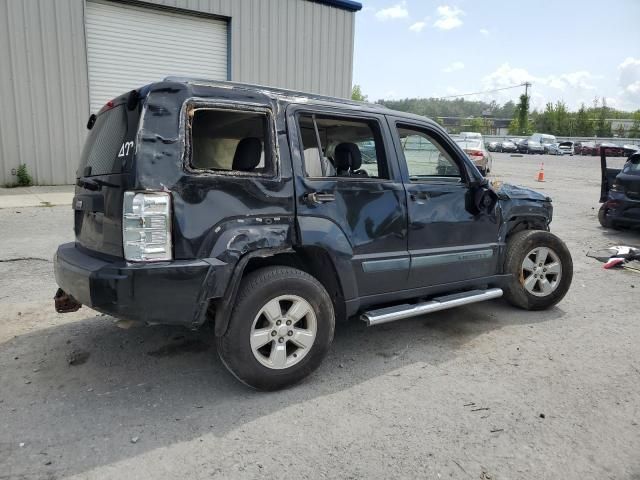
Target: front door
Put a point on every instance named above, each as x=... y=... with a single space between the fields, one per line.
x=447 y=243
x=350 y=197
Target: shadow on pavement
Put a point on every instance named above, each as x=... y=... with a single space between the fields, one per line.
x=167 y=385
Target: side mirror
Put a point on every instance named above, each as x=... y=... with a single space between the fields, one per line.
x=481 y=199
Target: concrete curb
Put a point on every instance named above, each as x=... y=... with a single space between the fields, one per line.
x=36 y=196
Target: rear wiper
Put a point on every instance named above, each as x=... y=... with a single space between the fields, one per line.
x=88 y=184
x=94 y=183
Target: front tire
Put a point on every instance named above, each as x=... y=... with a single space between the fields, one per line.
x=280 y=329
x=541 y=268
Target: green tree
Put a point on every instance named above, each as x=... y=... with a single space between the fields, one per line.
x=505 y=111
x=356 y=94
x=603 y=128
x=514 y=127
x=477 y=125
x=546 y=121
x=584 y=125
x=634 y=131
x=523 y=115
x=562 y=119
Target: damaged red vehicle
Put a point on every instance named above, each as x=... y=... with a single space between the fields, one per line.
x=609 y=150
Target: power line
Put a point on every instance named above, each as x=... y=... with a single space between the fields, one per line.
x=488 y=91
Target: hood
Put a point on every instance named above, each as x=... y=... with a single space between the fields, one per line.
x=507 y=191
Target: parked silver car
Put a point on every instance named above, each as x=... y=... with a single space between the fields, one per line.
x=566 y=148
x=553 y=149
x=477 y=152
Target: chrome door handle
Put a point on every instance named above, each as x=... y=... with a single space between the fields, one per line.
x=317 y=198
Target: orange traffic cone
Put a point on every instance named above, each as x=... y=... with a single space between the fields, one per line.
x=540 y=177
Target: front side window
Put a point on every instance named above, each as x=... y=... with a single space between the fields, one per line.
x=342 y=147
x=230 y=141
x=425 y=158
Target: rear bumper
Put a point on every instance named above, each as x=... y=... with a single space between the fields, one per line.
x=622 y=210
x=165 y=292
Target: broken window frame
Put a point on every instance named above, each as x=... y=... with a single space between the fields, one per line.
x=271 y=152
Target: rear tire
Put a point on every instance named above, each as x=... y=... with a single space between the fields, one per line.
x=280 y=329
x=541 y=268
x=602 y=218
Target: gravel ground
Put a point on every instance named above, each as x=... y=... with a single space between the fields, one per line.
x=483 y=392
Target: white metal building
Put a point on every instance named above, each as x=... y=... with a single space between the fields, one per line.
x=62 y=59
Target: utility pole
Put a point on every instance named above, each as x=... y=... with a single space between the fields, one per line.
x=526 y=88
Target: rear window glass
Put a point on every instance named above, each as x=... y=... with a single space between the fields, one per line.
x=632 y=166
x=226 y=140
x=103 y=145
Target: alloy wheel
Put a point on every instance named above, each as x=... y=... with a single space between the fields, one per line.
x=541 y=271
x=283 y=331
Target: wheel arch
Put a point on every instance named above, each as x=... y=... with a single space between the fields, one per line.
x=527 y=222
x=313 y=260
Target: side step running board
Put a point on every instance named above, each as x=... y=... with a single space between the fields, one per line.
x=398 y=312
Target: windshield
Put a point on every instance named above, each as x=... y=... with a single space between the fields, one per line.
x=470 y=135
x=632 y=166
x=101 y=154
x=470 y=144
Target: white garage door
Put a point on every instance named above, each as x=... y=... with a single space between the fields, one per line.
x=128 y=47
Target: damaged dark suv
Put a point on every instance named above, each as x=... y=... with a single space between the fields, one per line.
x=274 y=214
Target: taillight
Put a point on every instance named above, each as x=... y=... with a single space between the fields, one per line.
x=146 y=226
x=475 y=153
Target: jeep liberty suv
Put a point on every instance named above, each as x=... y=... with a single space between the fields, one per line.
x=275 y=213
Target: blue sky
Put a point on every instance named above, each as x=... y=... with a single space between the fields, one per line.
x=570 y=50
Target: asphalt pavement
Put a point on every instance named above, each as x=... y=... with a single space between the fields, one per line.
x=484 y=391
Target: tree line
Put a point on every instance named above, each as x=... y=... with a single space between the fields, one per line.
x=556 y=118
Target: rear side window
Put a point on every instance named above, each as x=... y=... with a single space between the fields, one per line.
x=342 y=147
x=230 y=141
x=104 y=149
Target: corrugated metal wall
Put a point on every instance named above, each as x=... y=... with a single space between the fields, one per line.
x=43 y=88
x=44 y=93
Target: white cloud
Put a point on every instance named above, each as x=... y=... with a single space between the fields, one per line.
x=448 y=17
x=453 y=67
x=506 y=75
x=629 y=81
x=484 y=32
x=580 y=80
x=569 y=85
x=391 y=95
x=418 y=26
x=394 y=12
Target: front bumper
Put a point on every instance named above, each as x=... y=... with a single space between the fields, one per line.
x=165 y=292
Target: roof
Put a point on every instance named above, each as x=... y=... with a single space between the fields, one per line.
x=284 y=94
x=343 y=4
